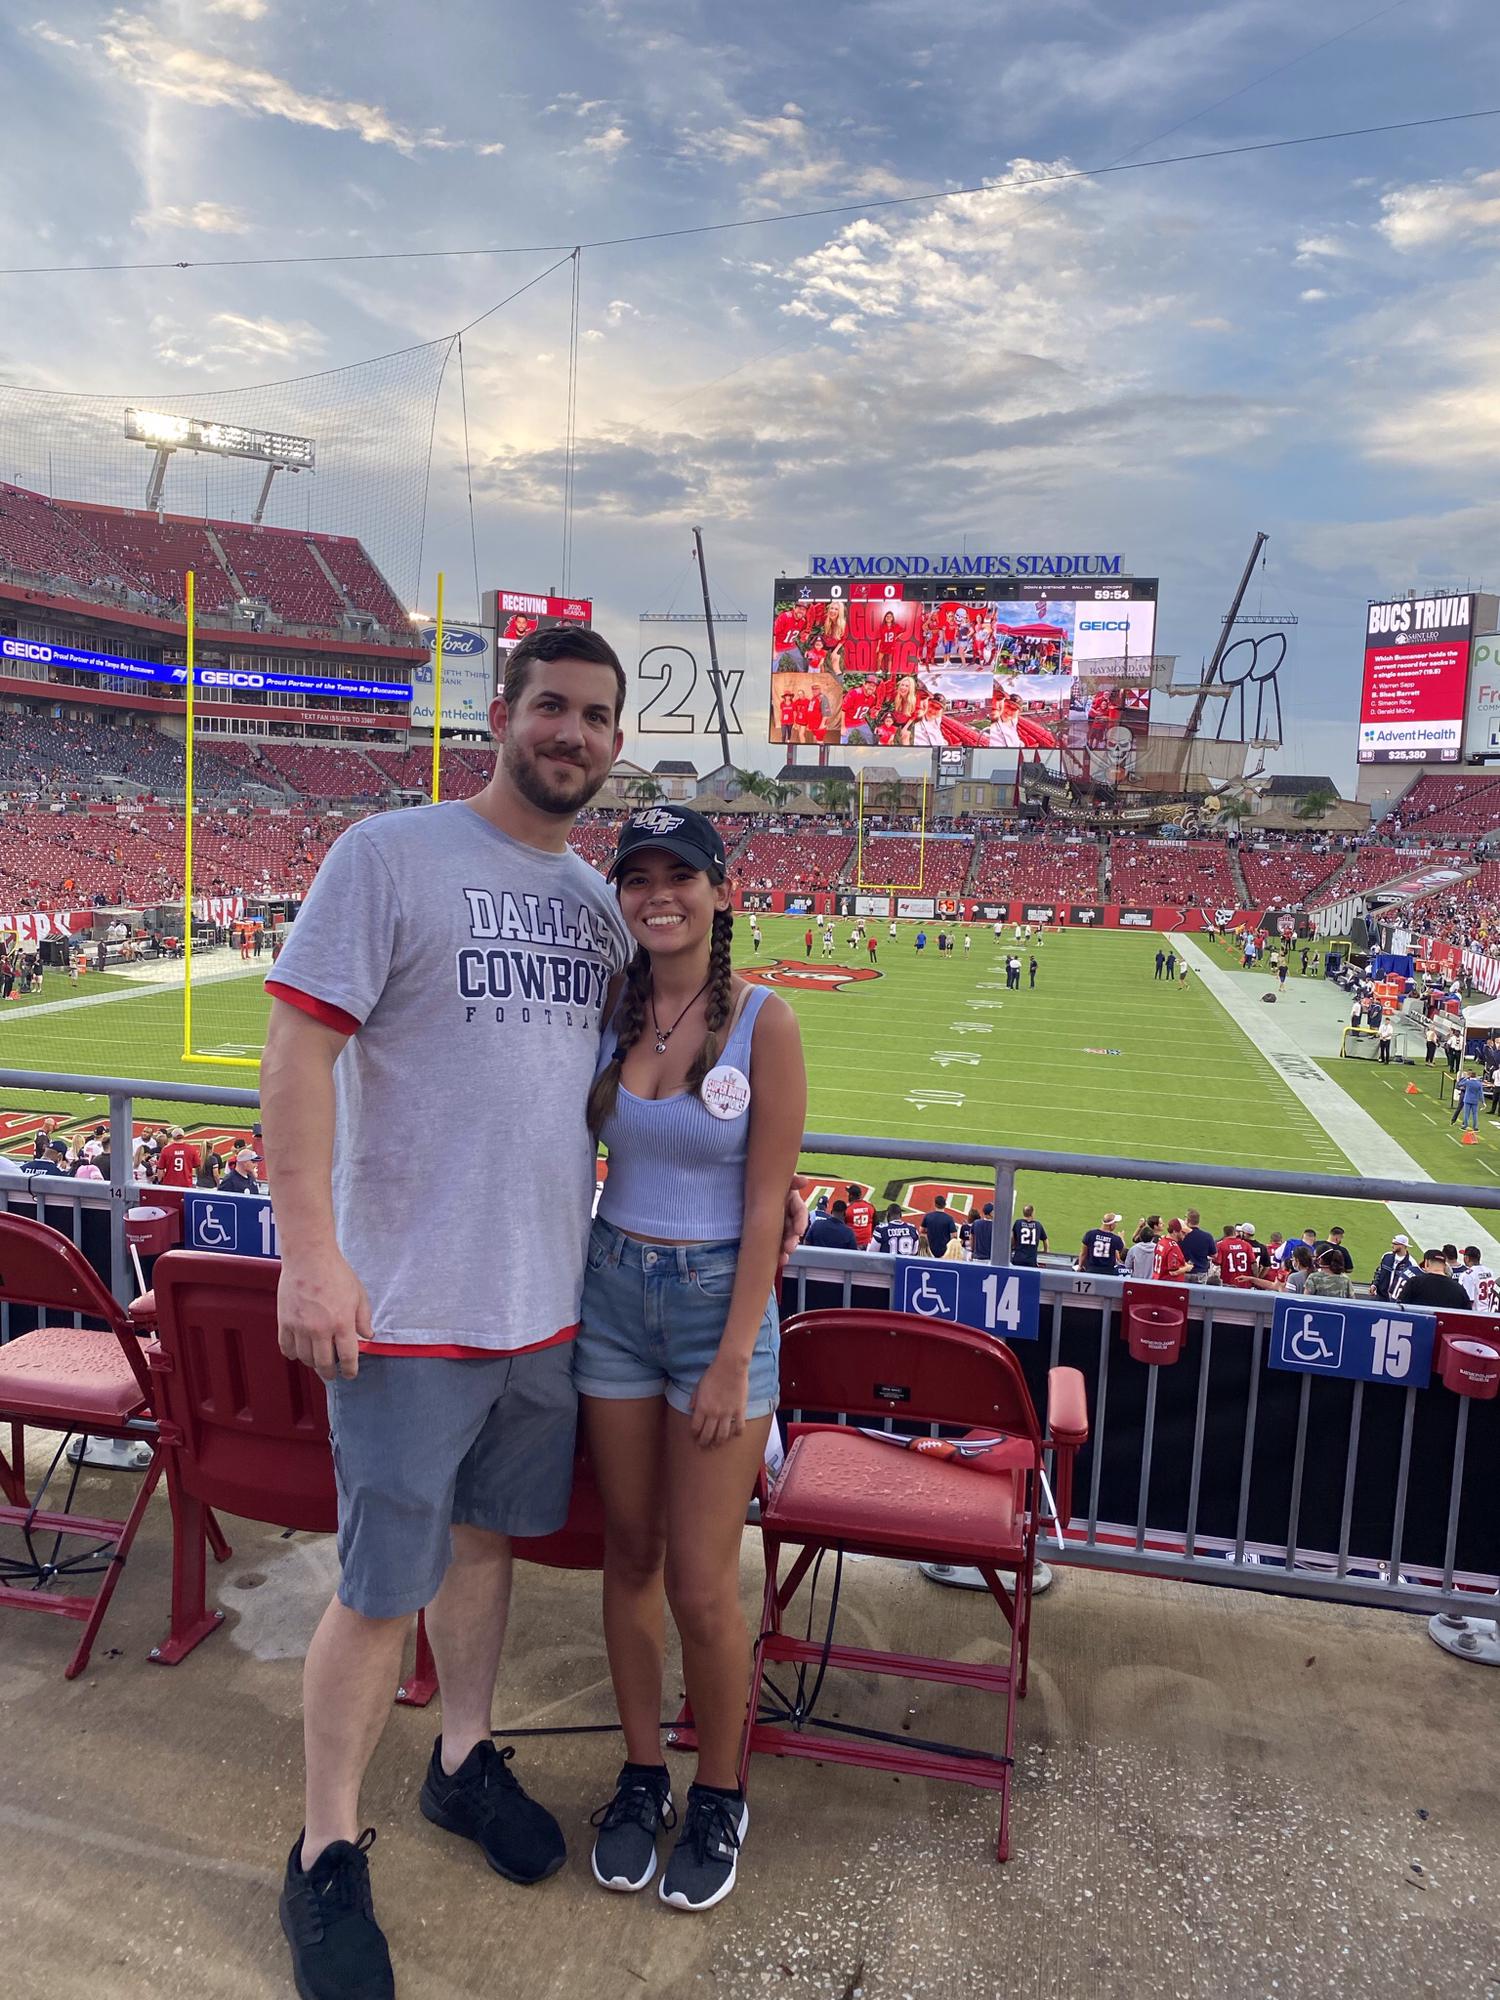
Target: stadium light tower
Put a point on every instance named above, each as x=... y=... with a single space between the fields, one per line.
x=278 y=451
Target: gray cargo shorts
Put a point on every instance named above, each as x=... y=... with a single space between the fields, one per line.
x=419 y=1444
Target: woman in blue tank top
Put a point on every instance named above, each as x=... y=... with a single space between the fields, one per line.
x=700 y=1100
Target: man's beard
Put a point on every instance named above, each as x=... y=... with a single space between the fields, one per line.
x=523 y=773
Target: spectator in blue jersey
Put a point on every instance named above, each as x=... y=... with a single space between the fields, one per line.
x=1027 y=1238
x=1103 y=1249
x=982 y=1236
x=1198 y=1246
x=938 y=1227
x=831 y=1231
x=897 y=1236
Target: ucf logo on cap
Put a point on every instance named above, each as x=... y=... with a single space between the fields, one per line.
x=656 y=820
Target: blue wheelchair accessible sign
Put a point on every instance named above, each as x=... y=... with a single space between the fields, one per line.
x=240 y=1224
x=994 y=1297
x=1353 y=1341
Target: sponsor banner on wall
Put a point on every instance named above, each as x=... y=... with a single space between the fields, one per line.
x=1038 y=913
x=1086 y=913
x=991 y=913
x=872 y=906
x=1482 y=716
x=915 y=906
x=468 y=679
x=1135 y=920
x=31 y=926
x=757 y=899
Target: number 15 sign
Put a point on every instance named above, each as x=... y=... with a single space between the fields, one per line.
x=1355 y=1342
x=994 y=1297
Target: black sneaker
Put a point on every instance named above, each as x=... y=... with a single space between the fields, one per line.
x=702 y=1867
x=624 y=1856
x=485 y=1803
x=338 y=1949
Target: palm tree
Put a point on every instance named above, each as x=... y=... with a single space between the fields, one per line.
x=1317 y=804
x=752 y=782
x=779 y=794
x=892 y=795
x=834 y=795
x=645 y=791
x=1232 y=809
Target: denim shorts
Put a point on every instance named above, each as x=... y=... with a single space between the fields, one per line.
x=653 y=1316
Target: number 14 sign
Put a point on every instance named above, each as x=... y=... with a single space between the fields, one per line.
x=1355 y=1342
x=994 y=1297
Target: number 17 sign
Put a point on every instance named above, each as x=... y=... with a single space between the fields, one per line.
x=994 y=1297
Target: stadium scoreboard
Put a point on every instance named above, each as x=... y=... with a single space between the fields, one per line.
x=962 y=662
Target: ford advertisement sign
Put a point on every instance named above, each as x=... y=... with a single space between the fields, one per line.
x=460 y=642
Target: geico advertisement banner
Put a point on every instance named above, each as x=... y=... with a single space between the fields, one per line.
x=1416 y=666
x=1124 y=633
x=1482 y=717
x=468 y=679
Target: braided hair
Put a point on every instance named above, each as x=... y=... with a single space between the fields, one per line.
x=720 y=997
x=630 y=1019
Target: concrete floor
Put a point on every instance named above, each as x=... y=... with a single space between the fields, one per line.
x=1217 y=1794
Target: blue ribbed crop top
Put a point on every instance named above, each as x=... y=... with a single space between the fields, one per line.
x=675 y=1170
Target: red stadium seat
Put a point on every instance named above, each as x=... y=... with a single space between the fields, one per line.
x=842 y=1490
x=85 y=1381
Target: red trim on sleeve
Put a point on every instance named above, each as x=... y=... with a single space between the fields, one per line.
x=320 y=1010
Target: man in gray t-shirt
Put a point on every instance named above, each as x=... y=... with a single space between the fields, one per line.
x=448 y=974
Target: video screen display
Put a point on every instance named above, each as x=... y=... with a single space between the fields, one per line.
x=1411 y=707
x=933 y=663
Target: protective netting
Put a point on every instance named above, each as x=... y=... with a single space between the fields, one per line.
x=371 y=425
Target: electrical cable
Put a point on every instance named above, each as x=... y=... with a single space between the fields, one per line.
x=874 y=205
x=463 y=397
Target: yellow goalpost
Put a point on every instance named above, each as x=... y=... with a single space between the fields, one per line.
x=861 y=880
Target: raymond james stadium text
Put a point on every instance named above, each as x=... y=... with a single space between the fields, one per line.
x=965 y=565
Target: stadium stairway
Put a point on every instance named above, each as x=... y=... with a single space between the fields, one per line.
x=1232 y=851
x=1101 y=878
x=971 y=873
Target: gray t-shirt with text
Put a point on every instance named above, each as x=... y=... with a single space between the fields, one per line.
x=463 y=1171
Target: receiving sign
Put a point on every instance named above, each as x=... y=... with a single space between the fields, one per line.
x=993 y=1297
x=1353 y=1341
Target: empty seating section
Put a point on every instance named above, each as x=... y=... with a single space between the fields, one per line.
x=1447 y=803
x=1369 y=867
x=936 y=867
x=1038 y=871
x=1285 y=876
x=279 y=567
x=363 y=585
x=320 y=772
x=594 y=842
x=60 y=860
x=1181 y=874
x=794 y=860
x=139 y=556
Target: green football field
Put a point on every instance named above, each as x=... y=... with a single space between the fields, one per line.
x=1098 y=1058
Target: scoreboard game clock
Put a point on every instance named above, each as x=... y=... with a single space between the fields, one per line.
x=962 y=663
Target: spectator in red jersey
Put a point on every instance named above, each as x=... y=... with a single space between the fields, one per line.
x=860 y=1214
x=1171 y=1262
x=1235 y=1257
x=177 y=1163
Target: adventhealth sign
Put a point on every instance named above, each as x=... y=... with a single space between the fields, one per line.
x=965 y=565
x=110 y=665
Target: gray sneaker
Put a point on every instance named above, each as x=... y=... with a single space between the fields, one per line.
x=702 y=1866
x=624 y=1857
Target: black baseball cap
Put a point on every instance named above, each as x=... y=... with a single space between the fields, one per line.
x=677 y=831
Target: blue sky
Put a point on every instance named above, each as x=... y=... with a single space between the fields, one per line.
x=1157 y=363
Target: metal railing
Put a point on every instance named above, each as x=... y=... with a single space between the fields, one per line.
x=1215 y=1468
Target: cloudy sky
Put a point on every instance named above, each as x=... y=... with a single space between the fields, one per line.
x=1156 y=362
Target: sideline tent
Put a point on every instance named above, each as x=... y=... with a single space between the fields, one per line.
x=1486 y=1015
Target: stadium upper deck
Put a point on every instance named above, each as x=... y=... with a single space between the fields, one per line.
x=136 y=560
